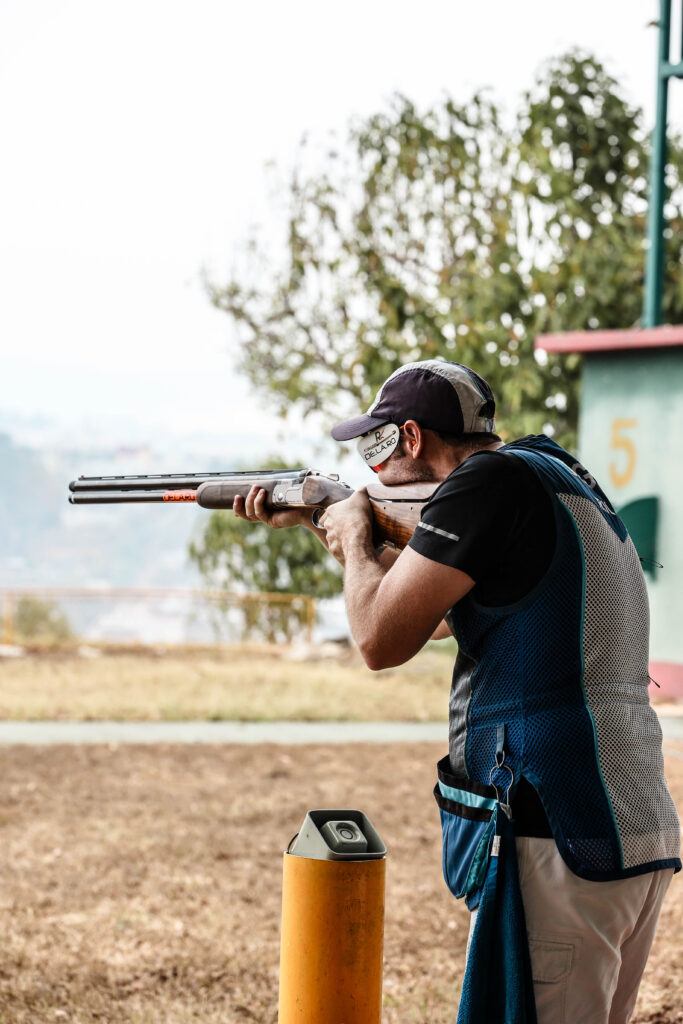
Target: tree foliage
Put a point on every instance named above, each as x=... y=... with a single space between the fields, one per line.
x=231 y=553
x=41 y=620
x=460 y=232
x=291 y=561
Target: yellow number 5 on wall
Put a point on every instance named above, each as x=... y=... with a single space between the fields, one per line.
x=622 y=468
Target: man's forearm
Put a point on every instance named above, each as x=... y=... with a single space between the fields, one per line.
x=363 y=575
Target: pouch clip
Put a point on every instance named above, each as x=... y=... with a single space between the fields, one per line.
x=501 y=766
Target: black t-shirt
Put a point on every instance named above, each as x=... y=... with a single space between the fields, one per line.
x=503 y=520
x=492 y=519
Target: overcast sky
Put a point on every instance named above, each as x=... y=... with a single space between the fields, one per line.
x=134 y=139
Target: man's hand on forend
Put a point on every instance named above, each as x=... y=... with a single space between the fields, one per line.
x=253 y=509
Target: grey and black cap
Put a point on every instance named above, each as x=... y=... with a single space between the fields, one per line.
x=447 y=397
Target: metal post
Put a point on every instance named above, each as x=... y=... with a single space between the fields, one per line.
x=654 y=270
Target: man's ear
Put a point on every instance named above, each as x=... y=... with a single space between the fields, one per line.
x=415 y=438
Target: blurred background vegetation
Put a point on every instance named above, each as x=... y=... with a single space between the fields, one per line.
x=40 y=620
x=461 y=231
x=231 y=553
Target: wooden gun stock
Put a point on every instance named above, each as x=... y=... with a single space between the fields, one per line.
x=395 y=516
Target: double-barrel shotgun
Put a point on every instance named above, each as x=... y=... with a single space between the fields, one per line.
x=396 y=509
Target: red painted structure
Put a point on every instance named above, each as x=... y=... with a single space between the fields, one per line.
x=611 y=341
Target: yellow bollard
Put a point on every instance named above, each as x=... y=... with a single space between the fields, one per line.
x=332 y=930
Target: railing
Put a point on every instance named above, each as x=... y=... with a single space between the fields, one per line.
x=151 y=615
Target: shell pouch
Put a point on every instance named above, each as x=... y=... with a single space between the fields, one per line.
x=468 y=813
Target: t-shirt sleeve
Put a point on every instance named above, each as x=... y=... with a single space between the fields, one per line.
x=464 y=524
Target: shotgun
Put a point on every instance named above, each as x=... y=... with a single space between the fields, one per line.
x=396 y=510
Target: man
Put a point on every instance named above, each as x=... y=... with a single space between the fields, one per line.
x=521 y=556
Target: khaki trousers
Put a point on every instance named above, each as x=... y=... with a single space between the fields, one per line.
x=589 y=941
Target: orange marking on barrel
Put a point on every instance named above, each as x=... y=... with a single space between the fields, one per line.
x=180 y=495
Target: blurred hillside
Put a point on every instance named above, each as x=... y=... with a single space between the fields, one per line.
x=44 y=541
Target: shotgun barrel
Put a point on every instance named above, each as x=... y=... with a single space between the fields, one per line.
x=100 y=490
x=396 y=509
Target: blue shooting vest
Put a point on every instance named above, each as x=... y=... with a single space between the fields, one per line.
x=562 y=677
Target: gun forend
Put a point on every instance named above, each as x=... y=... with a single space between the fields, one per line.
x=312 y=489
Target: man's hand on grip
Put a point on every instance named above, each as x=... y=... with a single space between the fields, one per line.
x=348 y=522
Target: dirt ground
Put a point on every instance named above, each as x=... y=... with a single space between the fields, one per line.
x=143 y=885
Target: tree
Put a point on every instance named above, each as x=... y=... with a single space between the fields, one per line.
x=40 y=620
x=461 y=233
x=232 y=553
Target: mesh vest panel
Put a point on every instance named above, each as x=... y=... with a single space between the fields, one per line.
x=566 y=671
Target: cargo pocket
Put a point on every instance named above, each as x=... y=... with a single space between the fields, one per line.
x=551 y=965
x=468 y=820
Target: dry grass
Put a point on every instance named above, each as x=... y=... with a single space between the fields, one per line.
x=142 y=885
x=228 y=683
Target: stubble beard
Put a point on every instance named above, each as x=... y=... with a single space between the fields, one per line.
x=404 y=470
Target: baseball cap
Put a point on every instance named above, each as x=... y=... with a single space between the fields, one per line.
x=447 y=397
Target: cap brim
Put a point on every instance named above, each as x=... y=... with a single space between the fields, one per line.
x=349 y=429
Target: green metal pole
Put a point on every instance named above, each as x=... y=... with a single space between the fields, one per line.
x=654 y=270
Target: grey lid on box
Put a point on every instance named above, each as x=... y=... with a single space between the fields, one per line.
x=311 y=841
